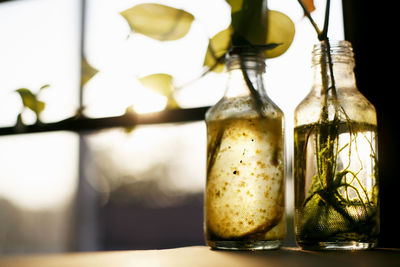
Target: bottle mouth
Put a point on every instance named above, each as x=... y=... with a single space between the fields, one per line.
x=340 y=51
x=249 y=59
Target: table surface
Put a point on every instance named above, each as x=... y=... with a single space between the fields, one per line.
x=203 y=256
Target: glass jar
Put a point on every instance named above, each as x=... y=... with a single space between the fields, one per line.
x=335 y=157
x=244 y=196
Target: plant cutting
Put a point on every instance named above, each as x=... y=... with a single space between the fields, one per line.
x=335 y=154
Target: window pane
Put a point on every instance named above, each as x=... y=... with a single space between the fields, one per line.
x=150 y=182
x=38 y=183
x=40 y=42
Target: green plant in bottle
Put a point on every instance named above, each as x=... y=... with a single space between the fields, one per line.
x=244 y=197
x=335 y=155
x=245 y=188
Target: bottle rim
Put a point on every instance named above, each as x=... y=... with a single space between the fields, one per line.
x=341 y=51
x=249 y=59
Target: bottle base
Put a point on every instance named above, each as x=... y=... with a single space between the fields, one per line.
x=245 y=245
x=338 y=245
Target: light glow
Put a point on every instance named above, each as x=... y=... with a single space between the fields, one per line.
x=32 y=48
x=39 y=171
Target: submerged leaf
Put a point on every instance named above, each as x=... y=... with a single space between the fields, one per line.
x=217 y=47
x=159 y=22
x=281 y=31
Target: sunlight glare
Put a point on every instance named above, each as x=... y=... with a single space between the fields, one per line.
x=147 y=101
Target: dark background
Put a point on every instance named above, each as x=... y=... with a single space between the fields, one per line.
x=372 y=27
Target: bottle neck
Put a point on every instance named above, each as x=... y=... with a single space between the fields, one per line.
x=245 y=69
x=343 y=76
x=340 y=63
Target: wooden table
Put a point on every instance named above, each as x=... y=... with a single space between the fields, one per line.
x=203 y=256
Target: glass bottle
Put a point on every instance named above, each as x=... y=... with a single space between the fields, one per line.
x=335 y=157
x=244 y=196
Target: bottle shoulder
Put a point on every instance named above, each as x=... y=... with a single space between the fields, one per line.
x=243 y=107
x=350 y=103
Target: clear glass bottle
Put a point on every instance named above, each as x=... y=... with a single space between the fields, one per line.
x=335 y=157
x=244 y=196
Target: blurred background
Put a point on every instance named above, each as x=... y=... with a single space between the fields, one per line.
x=142 y=187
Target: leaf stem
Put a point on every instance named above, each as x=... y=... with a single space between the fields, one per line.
x=324 y=34
x=253 y=92
x=307 y=13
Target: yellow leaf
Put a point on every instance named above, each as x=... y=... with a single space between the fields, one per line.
x=236 y=5
x=160 y=82
x=171 y=103
x=87 y=71
x=281 y=31
x=254 y=24
x=163 y=84
x=30 y=101
x=217 y=47
x=159 y=22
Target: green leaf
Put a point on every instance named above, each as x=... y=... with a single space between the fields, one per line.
x=171 y=103
x=217 y=48
x=160 y=22
x=281 y=30
x=254 y=24
x=162 y=84
x=87 y=71
x=29 y=100
x=44 y=86
x=249 y=20
x=236 y=5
